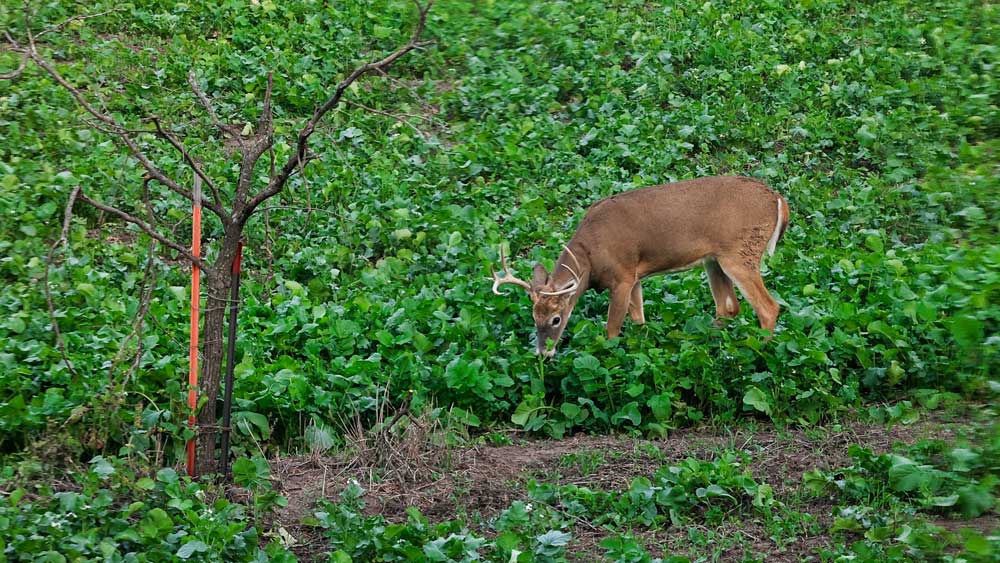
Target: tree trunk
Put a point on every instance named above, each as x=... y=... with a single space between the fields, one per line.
x=217 y=299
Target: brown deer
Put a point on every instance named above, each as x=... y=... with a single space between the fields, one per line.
x=723 y=223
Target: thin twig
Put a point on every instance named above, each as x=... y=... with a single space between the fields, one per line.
x=307 y=191
x=20 y=67
x=268 y=239
x=270 y=158
x=299 y=155
x=112 y=124
x=27 y=26
x=425 y=118
x=68 y=216
x=113 y=131
x=64 y=23
x=149 y=284
x=14 y=45
x=149 y=230
x=207 y=104
x=146 y=297
x=170 y=138
x=63 y=238
x=413 y=92
x=398 y=117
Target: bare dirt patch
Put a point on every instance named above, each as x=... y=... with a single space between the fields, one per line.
x=477 y=483
x=114 y=235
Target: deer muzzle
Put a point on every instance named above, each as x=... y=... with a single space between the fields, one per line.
x=546 y=341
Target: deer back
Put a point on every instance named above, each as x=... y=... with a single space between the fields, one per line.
x=675 y=226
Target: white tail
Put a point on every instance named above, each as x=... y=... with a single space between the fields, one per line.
x=778 y=228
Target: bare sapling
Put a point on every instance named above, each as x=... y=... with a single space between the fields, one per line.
x=230 y=200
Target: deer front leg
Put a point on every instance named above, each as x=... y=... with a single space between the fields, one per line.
x=635 y=309
x=620 y=297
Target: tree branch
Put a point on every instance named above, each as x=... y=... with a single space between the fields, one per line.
x=64 y=239
x=68 y=216
x=429 y=108
x=210 y=110
x=63 y=24
x=259 y=143
x=146 y=297
x=113 y=127
x=400 y=117
x=20 y=67
x=164 y=134
x=149 y=230
x=278 y=182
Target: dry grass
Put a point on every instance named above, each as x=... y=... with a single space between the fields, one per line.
x=404 y=462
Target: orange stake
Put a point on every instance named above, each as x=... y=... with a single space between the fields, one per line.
x=195 y=295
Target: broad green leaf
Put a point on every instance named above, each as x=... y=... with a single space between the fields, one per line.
x=967 y=331
x=629 y=412
x=190 y=548
x=102 y=467
x=756 y=398
x=156 y=523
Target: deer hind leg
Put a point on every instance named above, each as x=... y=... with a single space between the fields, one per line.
x=746 y=275
x=635 y=310
x=620 y=297
x=726 y=305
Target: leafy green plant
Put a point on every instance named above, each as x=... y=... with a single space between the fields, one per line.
x=255 y=474
x=876 y=121
x=932 y=476
x=876 y=134
x=356 y=537
x=672 y=495
x=881 y=497
x=177 y=520
x=538 y=530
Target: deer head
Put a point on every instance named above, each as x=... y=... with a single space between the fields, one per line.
x=553 y=297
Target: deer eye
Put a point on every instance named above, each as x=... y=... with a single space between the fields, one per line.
x=556 y=320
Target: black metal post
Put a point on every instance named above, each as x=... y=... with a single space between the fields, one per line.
x=227 y=398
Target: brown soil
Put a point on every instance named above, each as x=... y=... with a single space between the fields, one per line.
x=115 y=234
x=477 y=483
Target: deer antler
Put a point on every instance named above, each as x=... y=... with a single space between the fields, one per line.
x=576 y=277
x=507 y=276
x=569 y=289
x=573 y=256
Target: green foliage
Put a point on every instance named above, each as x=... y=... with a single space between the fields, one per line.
x=932 y=475
x=100 y=519
x=876 y=133
x=670 y=496
x=356 y=537
x=538 y=530
x=877 y=121
x=706 y=493
x=881 y=498
x=919 y=540
x=255 y=474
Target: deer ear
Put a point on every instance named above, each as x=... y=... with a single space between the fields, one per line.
x=540 y=276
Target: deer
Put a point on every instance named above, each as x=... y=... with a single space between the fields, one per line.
x=724 y=224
